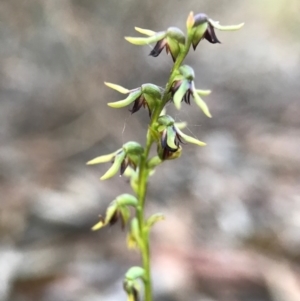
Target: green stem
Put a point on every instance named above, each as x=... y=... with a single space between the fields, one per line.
x=144 y=174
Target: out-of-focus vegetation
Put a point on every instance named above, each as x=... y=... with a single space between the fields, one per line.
x=235 y=204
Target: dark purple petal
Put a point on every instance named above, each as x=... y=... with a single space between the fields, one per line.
x=114 y=218
x=210 y=35
x=124 y=165
x=132 y=164
x=138 y=104
x=163 y=139
x=158 y=48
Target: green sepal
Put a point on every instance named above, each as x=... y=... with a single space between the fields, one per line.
x=104 y=158
x=190 y=139
x=127 y=101
x=151 y=101
x=197 y=33
x=133 y=148
x=200 y=102
x=176 y=34
x=165 y=120
x=153 y=219
x=185 y=85
x=217 y=25
x=145 y=41
x=152 y=94
x=146 y=32
x=152 y=90
x=117 y=88
x=174 y=48
x=135 y=273
x=175 y=40
x=171 y=135
x=126 y=200
x=188 y=72
x=115 y=166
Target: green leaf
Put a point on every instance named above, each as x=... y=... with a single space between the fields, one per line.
x=127 y=101
x=117 y=88
x=115 y=166
x=217 y=25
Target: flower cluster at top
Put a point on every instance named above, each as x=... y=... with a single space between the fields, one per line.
x=180 y=88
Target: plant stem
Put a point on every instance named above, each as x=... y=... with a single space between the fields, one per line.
x=144 y=175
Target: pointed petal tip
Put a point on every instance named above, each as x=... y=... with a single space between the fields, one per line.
x=177 y=105
x=146 y=32
x=117 y=88
x=93 y=162
x=111 y=104
x=98 y=226
x=217 y=25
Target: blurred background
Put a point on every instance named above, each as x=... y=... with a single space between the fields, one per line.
x=232 y=228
